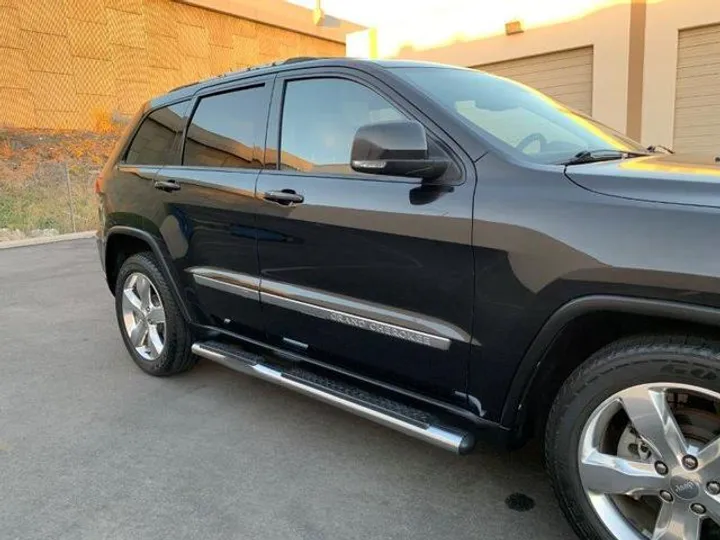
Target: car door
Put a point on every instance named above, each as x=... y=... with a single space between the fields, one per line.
x=211 y=204
x=153 y=145
x=367 y=273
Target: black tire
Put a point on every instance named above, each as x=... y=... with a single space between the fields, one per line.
x=176 y=356
x=621 y=365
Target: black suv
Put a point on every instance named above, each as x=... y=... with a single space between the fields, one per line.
x=446 y=252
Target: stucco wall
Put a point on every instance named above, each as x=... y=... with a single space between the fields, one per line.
x=70 y=64
x=473 y=34
x=665 y=19
x=628 y=37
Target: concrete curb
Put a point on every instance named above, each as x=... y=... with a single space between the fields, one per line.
x=45 y=240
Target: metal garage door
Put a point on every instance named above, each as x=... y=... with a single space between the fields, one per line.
x=697 y=98
x=563 y=75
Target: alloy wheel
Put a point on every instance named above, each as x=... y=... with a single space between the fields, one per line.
x=143 y=316
x=649 y=462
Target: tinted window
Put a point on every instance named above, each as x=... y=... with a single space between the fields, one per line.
x=226 y=130
x=320 y=118
x=517 y=117
x=155 y=140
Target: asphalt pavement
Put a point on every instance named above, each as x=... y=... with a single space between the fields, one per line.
x=93 y=449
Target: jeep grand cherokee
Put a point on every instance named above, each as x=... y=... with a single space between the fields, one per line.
x=446 y=252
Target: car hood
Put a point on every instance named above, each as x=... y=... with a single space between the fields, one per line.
x=680 y=179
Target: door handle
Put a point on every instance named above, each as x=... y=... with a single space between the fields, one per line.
x=166 y=185
x=286 y=196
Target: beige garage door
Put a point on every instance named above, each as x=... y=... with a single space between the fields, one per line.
x=697 y=98
x=563 y=75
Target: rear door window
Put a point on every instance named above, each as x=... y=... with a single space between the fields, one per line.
x=155 y=141
x=227 y=130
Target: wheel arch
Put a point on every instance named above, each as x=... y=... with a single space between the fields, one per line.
x=598 y=320
x=122 y=242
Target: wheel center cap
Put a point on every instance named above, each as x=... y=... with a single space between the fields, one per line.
x=684 y=488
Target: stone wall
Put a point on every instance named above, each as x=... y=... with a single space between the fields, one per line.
x=76 y=64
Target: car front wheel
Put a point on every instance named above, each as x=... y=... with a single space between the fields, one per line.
x=633 y=441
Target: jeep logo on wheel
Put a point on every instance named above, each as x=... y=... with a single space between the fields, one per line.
x=684 y=488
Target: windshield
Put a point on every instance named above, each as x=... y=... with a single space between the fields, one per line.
x=516 y=117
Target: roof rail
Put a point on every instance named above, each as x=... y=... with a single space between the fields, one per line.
x=296 y=59
x=292 y=60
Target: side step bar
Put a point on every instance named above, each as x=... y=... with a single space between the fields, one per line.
x=395 y=415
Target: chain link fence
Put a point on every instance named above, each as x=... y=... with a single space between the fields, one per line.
x=55 y=198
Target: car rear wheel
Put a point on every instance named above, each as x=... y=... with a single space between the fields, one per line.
x=153 y=329
x=633 y=441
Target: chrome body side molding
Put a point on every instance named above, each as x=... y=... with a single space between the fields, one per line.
x=368 y=310
x=229 y=282
x=397 y=323
x=379 y=327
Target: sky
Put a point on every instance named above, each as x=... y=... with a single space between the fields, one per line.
x=372 y=12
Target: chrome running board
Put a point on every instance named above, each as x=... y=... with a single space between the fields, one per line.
x=395 y=415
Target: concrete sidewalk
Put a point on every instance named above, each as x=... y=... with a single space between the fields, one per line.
x=46 y=239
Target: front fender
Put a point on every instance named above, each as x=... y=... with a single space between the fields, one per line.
x=534 y=360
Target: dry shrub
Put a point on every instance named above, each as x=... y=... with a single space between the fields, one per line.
x=36 y=167
x=108 y=122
